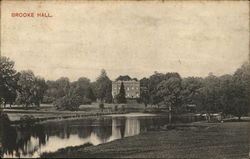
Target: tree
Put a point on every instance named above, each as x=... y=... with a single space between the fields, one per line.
x=62 y=86
x=169 y=91
x=38 y=90
x=226 y=93
x=153 y=81
x=102 y=85
x=56 y=89
x=32 y=89
x=121 y=96
x=108 y=95
x=209 y=95
x=68 y=102
x=241 y=91
x=190 y=90
x=8 y=81
x=26 y=82
x=144 y=97
x=90 y=94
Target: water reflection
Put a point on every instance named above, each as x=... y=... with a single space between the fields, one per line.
x=49 y=137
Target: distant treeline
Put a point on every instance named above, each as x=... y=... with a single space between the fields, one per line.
x=228 y=94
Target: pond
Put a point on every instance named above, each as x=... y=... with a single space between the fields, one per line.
x=51 y=136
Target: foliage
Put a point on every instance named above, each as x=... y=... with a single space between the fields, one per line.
x=240 y=92
x=68 y=102
x=108 y=95
x=116 y=108
x=8 y=81
x=121 y=96
x=32 y=89
x=123 y=108
x=169 y=91
x=144 y=97
x=228 y=94
x=190 y=89
x=103 y=86
x=153 y=81
x=101 y=106
x=86 y=100
x=61 y=87
x=57 y=89
x=90 y=94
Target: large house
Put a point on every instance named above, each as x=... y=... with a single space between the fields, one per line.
x=131 y=86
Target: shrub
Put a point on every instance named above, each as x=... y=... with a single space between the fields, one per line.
x=48 y=100
x=86 y=100
x=123 y=107
x=68 y=102
x=101 y=106
x=116 y=108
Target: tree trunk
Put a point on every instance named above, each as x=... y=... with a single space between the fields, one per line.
x=170 y=115
x=239 y=117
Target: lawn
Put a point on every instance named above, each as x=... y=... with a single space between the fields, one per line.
x=229 y=140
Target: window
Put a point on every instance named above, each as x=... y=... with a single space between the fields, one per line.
x=132 y=87
x=128 y=88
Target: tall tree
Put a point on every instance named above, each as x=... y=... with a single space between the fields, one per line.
x=190 y=89
x=121 y=97
x=144 y=97
x=8 y=80
x=169 y=91
x=26 y=82
x=108 y=95
x=32 y=89
x=102 y=86
x=153 y=81
x=241 y=90
x=38 y=90
x=63 y=85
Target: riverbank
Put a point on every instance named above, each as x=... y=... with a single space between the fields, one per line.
x=196 y=140
x=48 y=112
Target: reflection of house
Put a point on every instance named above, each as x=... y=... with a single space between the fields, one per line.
x=131 y=86
x=132 y=127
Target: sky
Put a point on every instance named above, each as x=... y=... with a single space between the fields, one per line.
x=133 y=38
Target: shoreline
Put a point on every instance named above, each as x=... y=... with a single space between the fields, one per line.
x=195 y=140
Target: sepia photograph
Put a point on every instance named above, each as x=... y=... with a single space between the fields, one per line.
x=125 y=79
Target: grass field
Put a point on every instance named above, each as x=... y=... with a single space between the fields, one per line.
x=229 y=140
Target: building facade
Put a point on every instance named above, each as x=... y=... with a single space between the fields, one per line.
x=132 y=88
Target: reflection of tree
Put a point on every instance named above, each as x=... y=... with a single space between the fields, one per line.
x=39 y=132
x=18 y=140
x=103 y=128
x=122 y=126
x=85 y=131
x=8 y=138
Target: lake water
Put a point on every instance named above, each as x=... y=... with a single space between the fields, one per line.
x=49 y=137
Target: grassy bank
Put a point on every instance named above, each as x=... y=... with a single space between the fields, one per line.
x=199 y=140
